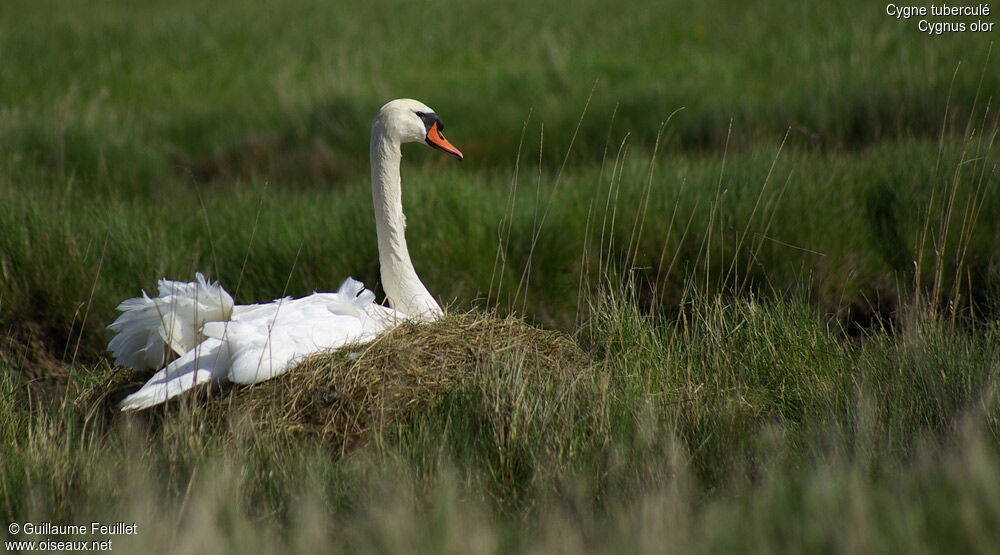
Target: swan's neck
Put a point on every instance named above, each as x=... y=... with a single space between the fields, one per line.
x=404 y=289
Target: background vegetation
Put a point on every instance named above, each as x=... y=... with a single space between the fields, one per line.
x=770 y=230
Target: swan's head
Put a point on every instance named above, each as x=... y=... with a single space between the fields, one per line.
x=410 y=121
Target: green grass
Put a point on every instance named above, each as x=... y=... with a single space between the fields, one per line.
x=124 y=94
x=845 y=229
x=739 y=424
x=787 y=293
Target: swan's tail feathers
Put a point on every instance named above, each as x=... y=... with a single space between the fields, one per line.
x=203 y=364
x=149 y=329
x=137 y=342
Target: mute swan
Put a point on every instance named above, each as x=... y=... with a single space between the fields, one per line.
x=215 y=340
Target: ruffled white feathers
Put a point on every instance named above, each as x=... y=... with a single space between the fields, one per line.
x=242 y=344
x=151 y=330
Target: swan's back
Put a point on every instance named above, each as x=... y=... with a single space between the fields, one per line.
x=254 y=343
x=264 y=340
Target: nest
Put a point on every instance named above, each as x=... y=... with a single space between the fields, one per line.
x=341 y=396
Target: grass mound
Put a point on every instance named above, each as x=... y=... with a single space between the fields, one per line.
x=341 y=396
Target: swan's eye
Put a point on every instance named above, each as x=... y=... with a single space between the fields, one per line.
x=429 y=119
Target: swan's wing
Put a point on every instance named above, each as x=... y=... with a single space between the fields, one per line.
x=149 y=328
x=206 y=362
x=266 y=340
x=188 y=306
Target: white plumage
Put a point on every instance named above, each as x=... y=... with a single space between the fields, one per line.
x=214 y=339
x=241 y=344
x=149 y=329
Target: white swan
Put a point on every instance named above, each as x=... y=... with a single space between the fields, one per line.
x=216 y=340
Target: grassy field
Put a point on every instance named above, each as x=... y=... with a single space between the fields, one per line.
x=721 y=276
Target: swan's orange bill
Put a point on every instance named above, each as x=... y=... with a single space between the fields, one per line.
x=437 y=140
